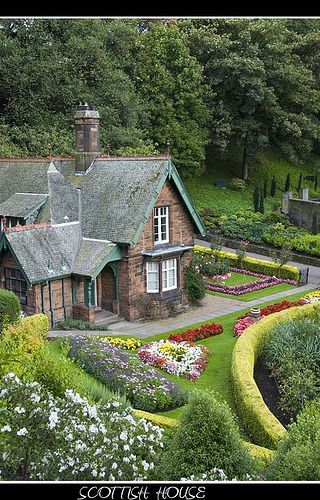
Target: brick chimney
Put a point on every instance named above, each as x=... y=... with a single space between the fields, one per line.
x=87 y=136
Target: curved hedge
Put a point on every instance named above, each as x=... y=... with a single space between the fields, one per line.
x=264 y=428
x=256 y=265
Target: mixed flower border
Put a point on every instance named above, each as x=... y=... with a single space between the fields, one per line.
x=264 y=282
x=182 y=359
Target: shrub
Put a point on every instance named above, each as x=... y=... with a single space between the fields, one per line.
x=299 y=451
x=193 y=285
x=287 y=183
x=299 y=182
x=260 y=423
x=207 y=265
x=237 y=184
x=146 y=305
x=22 y=342
x=125 y=373
x=314 y=227
x=9 y=308
x=265 y=188
x=261 y=201
x=207 y=437
x=47 y=438
x=256 y=199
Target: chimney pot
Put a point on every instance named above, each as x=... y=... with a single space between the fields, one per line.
x=87 y=136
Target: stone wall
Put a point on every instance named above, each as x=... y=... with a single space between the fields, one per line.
x=300 y=213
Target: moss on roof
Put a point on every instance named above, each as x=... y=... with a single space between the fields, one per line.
x=22 y=204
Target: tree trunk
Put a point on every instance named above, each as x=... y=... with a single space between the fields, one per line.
x=245 y=162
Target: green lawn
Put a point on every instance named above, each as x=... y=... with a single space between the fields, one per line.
x=239 y=279
x=258 y=294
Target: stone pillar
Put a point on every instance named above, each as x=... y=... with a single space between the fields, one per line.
x=304 y=194
x=285 y=201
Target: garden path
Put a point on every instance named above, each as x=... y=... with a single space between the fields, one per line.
x=212 y=307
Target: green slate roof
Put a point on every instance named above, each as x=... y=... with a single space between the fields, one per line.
x=92 y=257
x=45 y=253
x=22 y=204
x=118 y=196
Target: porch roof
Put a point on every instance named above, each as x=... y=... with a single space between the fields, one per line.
x=93 y=255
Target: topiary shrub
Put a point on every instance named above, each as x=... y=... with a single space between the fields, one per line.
x=193 y=285
x=298 y=453
x=9 y=307
x=207 y=437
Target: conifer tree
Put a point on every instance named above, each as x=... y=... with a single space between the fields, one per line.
x=287 y=184
x=256 y=199
x=261 y=201
x=273 y=187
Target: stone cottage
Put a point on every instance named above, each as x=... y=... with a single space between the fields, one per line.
x=90 y=233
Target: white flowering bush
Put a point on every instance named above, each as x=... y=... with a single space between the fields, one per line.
x=48 y=438
x=215 y=474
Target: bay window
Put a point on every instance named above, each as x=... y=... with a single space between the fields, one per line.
x=168 y=270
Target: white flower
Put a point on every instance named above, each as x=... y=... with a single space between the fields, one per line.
x=93 y=429
x=22 y=432
x=35 y=398
x=145 y=464
x=53 y=419
x=94 y=473
x=69 y=437
x=6 y=428
x=114 y=466
x=126 y=447
x=116 y=404
x=3 y=393
x=123 y=435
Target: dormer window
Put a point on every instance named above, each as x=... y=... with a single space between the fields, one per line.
x=161 y=225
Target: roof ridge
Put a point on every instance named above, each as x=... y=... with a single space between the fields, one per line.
x=26 y=227
x=35 y=159
x=115 y=158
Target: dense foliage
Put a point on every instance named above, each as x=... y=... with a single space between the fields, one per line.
x=298 y=454
x=126 y=374
x=193 y=285
x=252 y=82
x=207 y=437
x=293 y=354
x=9 y=307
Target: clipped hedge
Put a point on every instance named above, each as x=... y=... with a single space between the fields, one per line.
x=263 y=427
x=9 y=307
x=263 y=456
x=256 y=265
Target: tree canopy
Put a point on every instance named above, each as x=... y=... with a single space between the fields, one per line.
x=194 y=83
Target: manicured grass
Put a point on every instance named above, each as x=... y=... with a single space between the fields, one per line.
x=258 y=294
x=239 y=279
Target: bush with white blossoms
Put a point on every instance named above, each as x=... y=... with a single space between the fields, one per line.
x=215 y=474
x=48 y=438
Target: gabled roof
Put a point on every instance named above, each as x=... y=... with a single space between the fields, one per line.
x=118 y=195
x=45 y=253
x=22 y=204
x=93 y=256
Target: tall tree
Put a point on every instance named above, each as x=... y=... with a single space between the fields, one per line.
x=170 y=81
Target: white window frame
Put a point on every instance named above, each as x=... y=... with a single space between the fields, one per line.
x=165 y=269
x=155 y=270
x=157 y=216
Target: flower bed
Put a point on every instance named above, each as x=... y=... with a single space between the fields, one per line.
x=125 y=373
x=312 y=297
x=129 y=344
x=201 y=333
x=177 y=358
x=253 y=286
x=244 y=321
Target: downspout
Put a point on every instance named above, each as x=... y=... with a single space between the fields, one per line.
x=50 y=301
x=42 y=299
